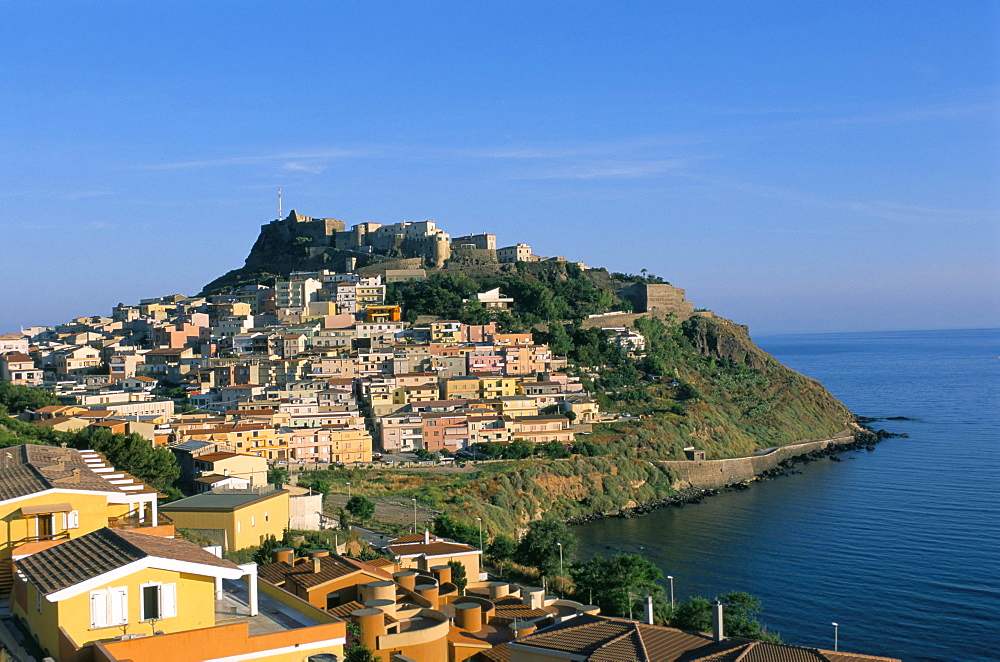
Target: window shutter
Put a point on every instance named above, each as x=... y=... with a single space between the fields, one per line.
x=65 y=521
x=99 y=609
x=73 y=521
x=168 y=600
x=118 y=609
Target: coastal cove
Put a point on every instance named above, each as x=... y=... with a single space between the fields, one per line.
x=897 y=545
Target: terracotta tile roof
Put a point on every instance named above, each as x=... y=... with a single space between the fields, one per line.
x=344 y=611
x=604 y=639
x=413 y=537
x=331 y=567
x=496 y=654
x=215 y=457
x=440 y=548
x=11 y=357
x=102 y=551
x=854 y=657
x=381 y=563
x=34 y=468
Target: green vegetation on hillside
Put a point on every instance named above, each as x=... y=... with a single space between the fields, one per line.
x=541 y=293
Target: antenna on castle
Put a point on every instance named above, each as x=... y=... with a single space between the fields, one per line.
x=279 y=203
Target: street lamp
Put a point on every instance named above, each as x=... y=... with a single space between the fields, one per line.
x=671 y=578
x=560 y=568
x=836 y=632
x=414 y=514
x=480 y=520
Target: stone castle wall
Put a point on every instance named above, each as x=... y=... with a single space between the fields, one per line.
x=467 y=256
x=658 y=297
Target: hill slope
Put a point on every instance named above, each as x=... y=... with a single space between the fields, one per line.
x=700 y=381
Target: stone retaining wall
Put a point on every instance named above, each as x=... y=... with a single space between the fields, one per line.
x=716 y=474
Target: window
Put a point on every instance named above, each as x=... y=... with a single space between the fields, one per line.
x=159 y=601
x=109 y=607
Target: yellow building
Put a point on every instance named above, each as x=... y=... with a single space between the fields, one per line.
x=249 y=439
x=249 y=467
x=101 y=585
x=49 y=494
x=448 y=331
x=517 y=406
x=234 y=519
x=460 y=388
x=114 y=590
x=498 y=387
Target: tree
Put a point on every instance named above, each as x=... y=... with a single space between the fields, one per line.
x=265 y=552
x=458 y=576
x=555 y=450
x=361 y=507
x=358 y=652
x=315 y=483
x=538 y=547
x=617 y=582
x=695 y=615
x=518 y=449
x=153 y=465
x=739 y=614
x=502 y=548
x=449 y=527
x=17 y=398
x=278 y=475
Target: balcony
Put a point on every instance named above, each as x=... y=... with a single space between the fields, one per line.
x=133 y=522
x=43 y=537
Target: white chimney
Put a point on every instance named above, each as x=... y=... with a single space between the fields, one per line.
x=427 y=537
x=649 y=610
x=717 y=626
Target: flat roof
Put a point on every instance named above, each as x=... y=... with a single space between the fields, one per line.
x=218 y=501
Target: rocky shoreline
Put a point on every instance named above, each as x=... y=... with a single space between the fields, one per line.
x=865 y=438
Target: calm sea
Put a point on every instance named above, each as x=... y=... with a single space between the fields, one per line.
x=900 y=546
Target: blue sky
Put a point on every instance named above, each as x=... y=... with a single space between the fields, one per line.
x=798 y=167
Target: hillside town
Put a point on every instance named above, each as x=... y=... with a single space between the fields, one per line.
x=313 y=370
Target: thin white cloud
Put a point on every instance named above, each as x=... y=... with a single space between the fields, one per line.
x=261 y=159
x=916 y=114
x=60 y=195
x=610 y=170
x=832 y=115
x=892 y=211
x=313 y=168
x=883 y=210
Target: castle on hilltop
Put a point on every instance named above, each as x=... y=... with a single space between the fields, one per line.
x=420 y=239
x=407 y=240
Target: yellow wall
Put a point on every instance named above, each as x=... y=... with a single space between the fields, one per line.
x=244 y=527
x=92 y=508
x=250 y=467
x=498 y=387
x=461 y=388
x=195 y=609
